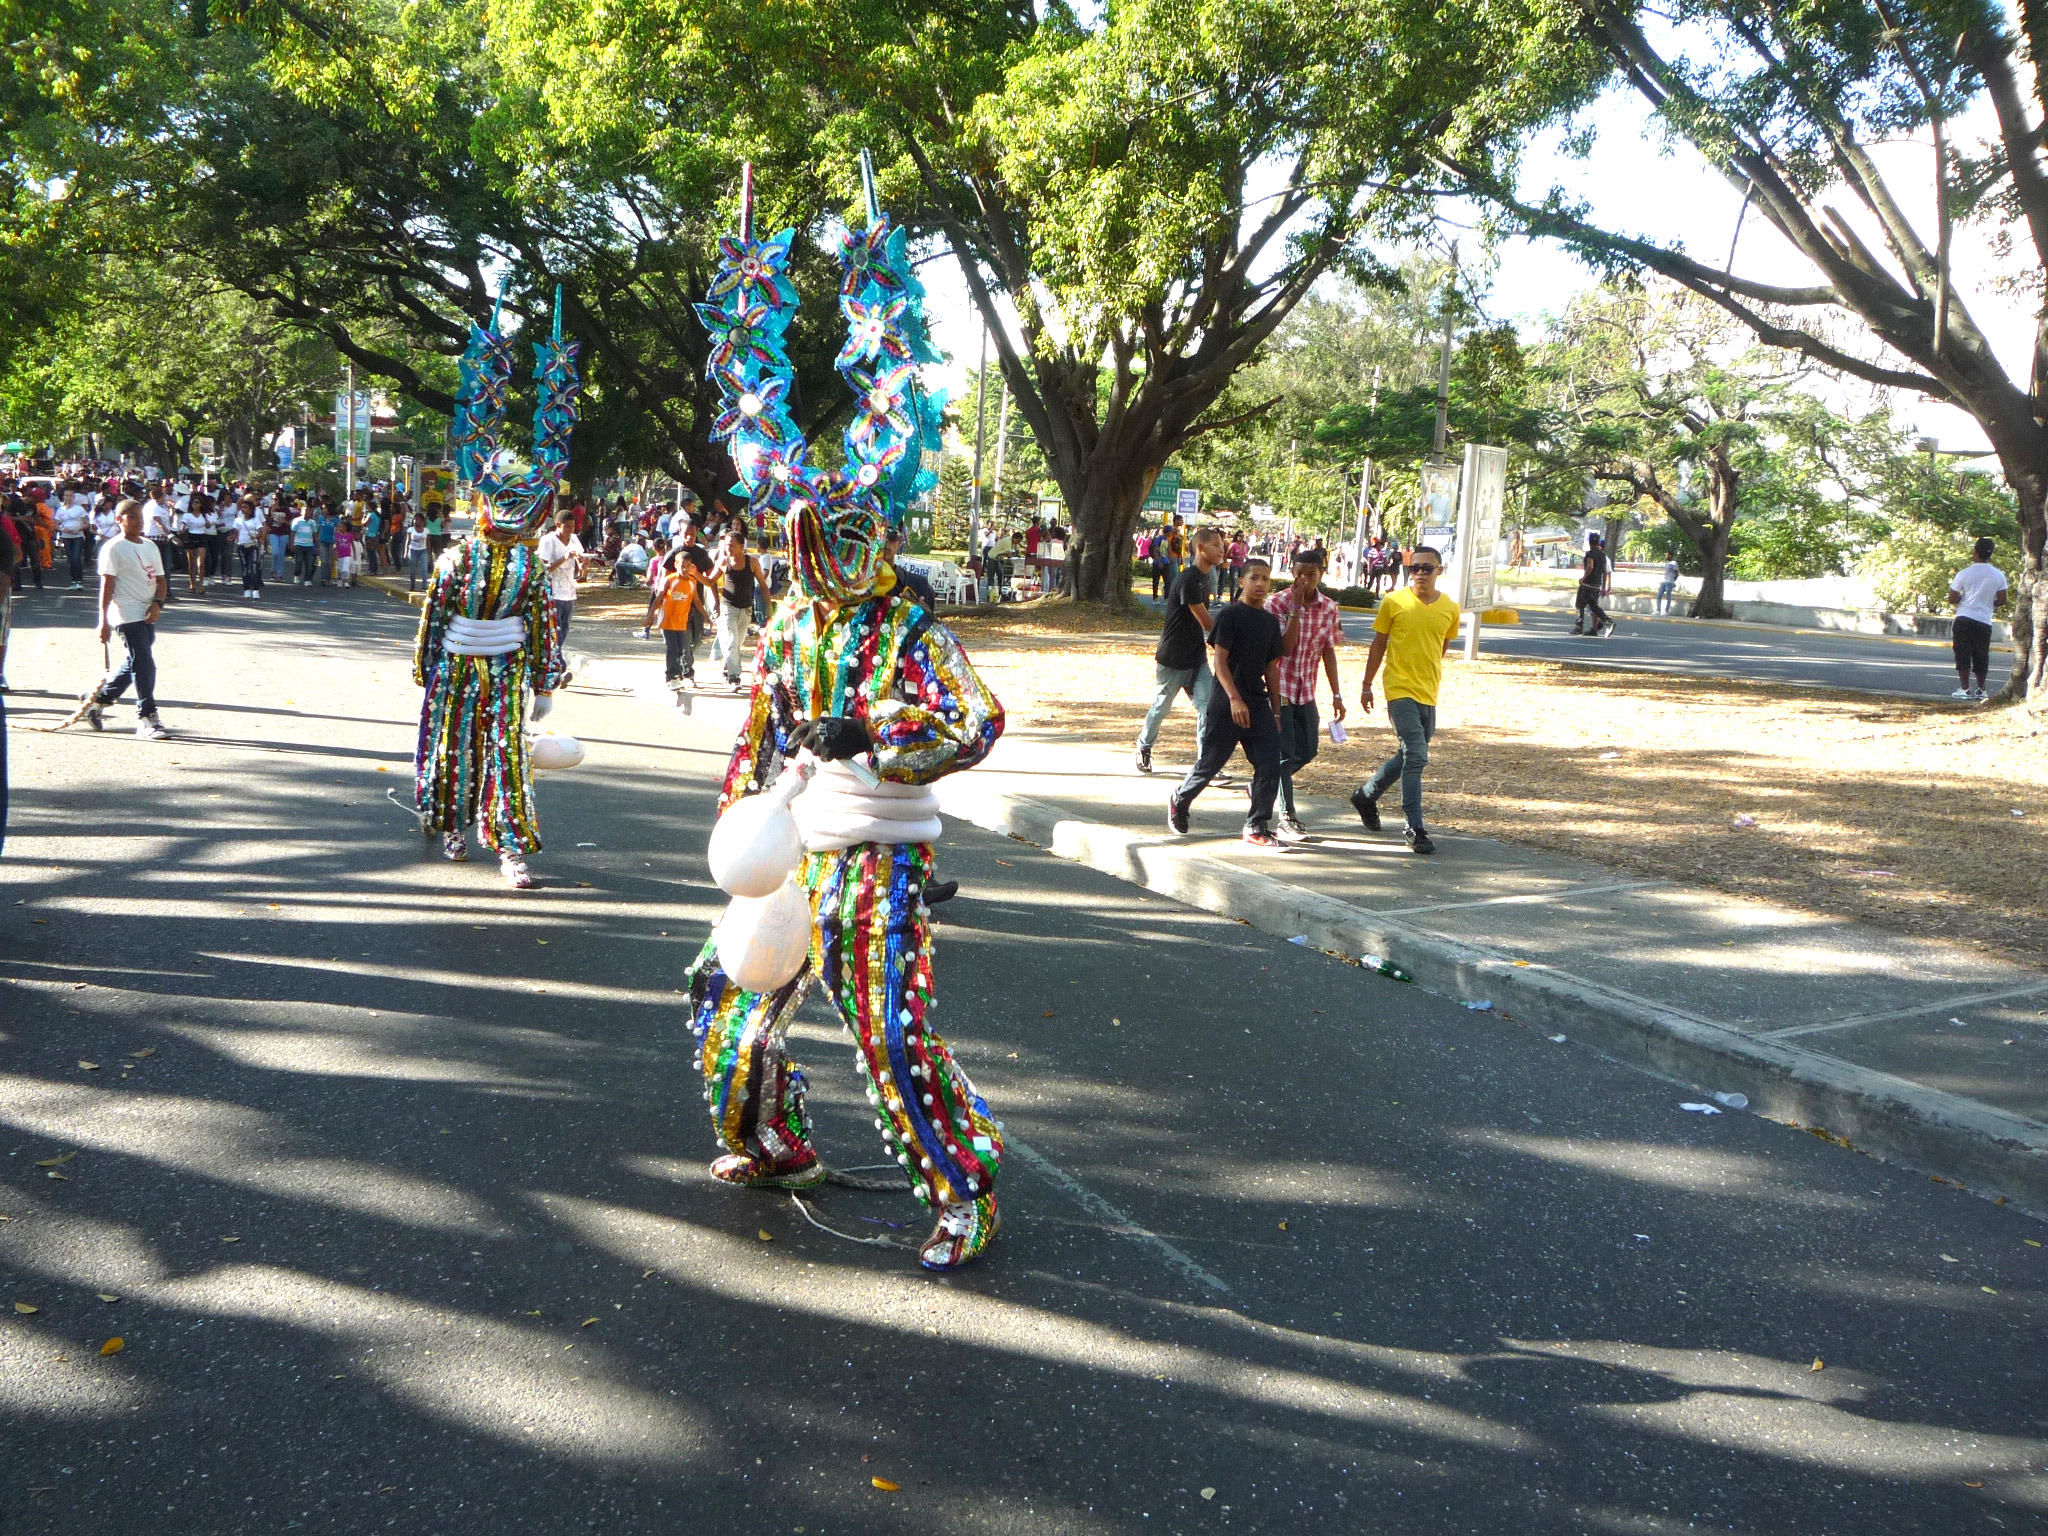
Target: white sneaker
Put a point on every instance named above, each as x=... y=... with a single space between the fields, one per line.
x=1289 y=830
x=1961 y=693
x=149 y=728
x=1978 y=695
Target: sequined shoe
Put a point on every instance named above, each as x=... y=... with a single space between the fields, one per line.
x=454 y=847
x=514 y=869
x=752 y=1173
x=964 y=1231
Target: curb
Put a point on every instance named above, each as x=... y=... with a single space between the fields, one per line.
x=391 y=588
x=1956 y=1140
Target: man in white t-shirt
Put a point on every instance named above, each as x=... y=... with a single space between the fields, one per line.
x=132 y=593
x=1978 y=592
x=561 y=556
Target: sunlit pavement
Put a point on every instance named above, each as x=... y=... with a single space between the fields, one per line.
x=398 y=1178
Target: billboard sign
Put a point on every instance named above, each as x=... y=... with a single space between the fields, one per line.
x=1479 y=511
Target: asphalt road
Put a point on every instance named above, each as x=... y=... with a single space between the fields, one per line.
x=398 y=1178
x=1866 y=663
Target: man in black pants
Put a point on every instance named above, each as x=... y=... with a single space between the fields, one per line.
x=1978 y=592
x=132 y=593
x=1245 y=645
x=1593 y=582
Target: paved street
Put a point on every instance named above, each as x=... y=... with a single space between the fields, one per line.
x=1867 y=662
x=397 y=1176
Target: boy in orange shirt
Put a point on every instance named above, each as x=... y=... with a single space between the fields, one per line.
x=677 y=594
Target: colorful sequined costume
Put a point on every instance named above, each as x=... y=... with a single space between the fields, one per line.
x=847 y=642
x=487 y=630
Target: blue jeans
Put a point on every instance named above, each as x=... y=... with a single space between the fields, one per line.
x=279 y=545
x=1300 y=735
x=1167 y=684
x=1414 y=723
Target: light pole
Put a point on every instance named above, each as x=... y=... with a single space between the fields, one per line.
x=980 y=427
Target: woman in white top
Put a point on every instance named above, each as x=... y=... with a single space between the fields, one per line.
x=248 y=528
x=74 y=529
x=192 y=539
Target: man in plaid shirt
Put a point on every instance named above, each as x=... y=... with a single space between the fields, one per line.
x=1309 y=629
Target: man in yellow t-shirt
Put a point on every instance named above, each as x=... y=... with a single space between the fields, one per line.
x=1412 y=631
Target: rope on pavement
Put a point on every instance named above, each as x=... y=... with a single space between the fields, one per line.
x=851 y=1237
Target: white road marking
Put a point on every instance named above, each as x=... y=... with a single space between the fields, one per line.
x=1115 y=1219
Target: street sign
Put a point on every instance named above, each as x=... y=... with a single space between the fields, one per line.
x=1165 y=492
x=203 y=446
x=1187 y=503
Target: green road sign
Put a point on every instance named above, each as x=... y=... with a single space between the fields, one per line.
x=1165 y=490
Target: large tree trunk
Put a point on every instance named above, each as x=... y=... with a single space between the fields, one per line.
x=1105 y=519
x=2021 y=443
x=1713 y=537
x=1713 y=552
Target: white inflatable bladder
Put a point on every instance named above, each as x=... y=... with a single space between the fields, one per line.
x=763 y=941
x=756 y=846
x=550 y=753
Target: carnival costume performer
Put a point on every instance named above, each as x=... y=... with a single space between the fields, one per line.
x=487 y=630
x=855 y=674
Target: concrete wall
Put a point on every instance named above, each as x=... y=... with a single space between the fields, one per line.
x=1857 y=621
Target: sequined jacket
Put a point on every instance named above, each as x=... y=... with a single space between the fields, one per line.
x=884 y=661
x=484 y=580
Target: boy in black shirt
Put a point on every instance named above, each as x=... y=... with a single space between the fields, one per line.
x=1246 y=644
x=1179 y=663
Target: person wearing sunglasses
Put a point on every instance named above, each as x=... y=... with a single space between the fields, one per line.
x=1412 y=632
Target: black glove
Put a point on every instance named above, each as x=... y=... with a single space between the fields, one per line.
x=830 y=737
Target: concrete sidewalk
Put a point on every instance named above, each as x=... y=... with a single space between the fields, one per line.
x=1914 y=1051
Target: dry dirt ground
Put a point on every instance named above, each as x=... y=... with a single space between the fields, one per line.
x=1896 y=813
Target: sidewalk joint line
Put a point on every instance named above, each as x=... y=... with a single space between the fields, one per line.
x=1852 y=1022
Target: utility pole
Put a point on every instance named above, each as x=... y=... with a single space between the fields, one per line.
x=995 y=500
x=980 y=427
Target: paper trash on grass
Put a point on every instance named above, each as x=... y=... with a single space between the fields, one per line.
x=1700 y=1109
x=1299 y=938
x=1555 y=1039
x=1483 y=1006
x=1745 y=820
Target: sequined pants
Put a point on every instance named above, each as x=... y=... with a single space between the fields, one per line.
x=871 y=949
x=471 y=768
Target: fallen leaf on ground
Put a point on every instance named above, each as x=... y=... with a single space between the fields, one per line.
x=1283 y=1226
x=885 y=1485
x=1818 y=1365
x=108 y=1296
x=144 y=1054
x=231 y=1239
x=1208 y=1493
x=114 y=1346
x=1987 y=1290
x=1968 y=1484
x=1047 y=1014
x=56 y=1162
x=1949 y=1258
x=765 y=1235
x=2030 y=1242
x=27 y=1308
x=586 y=1322
x=88 y=1066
